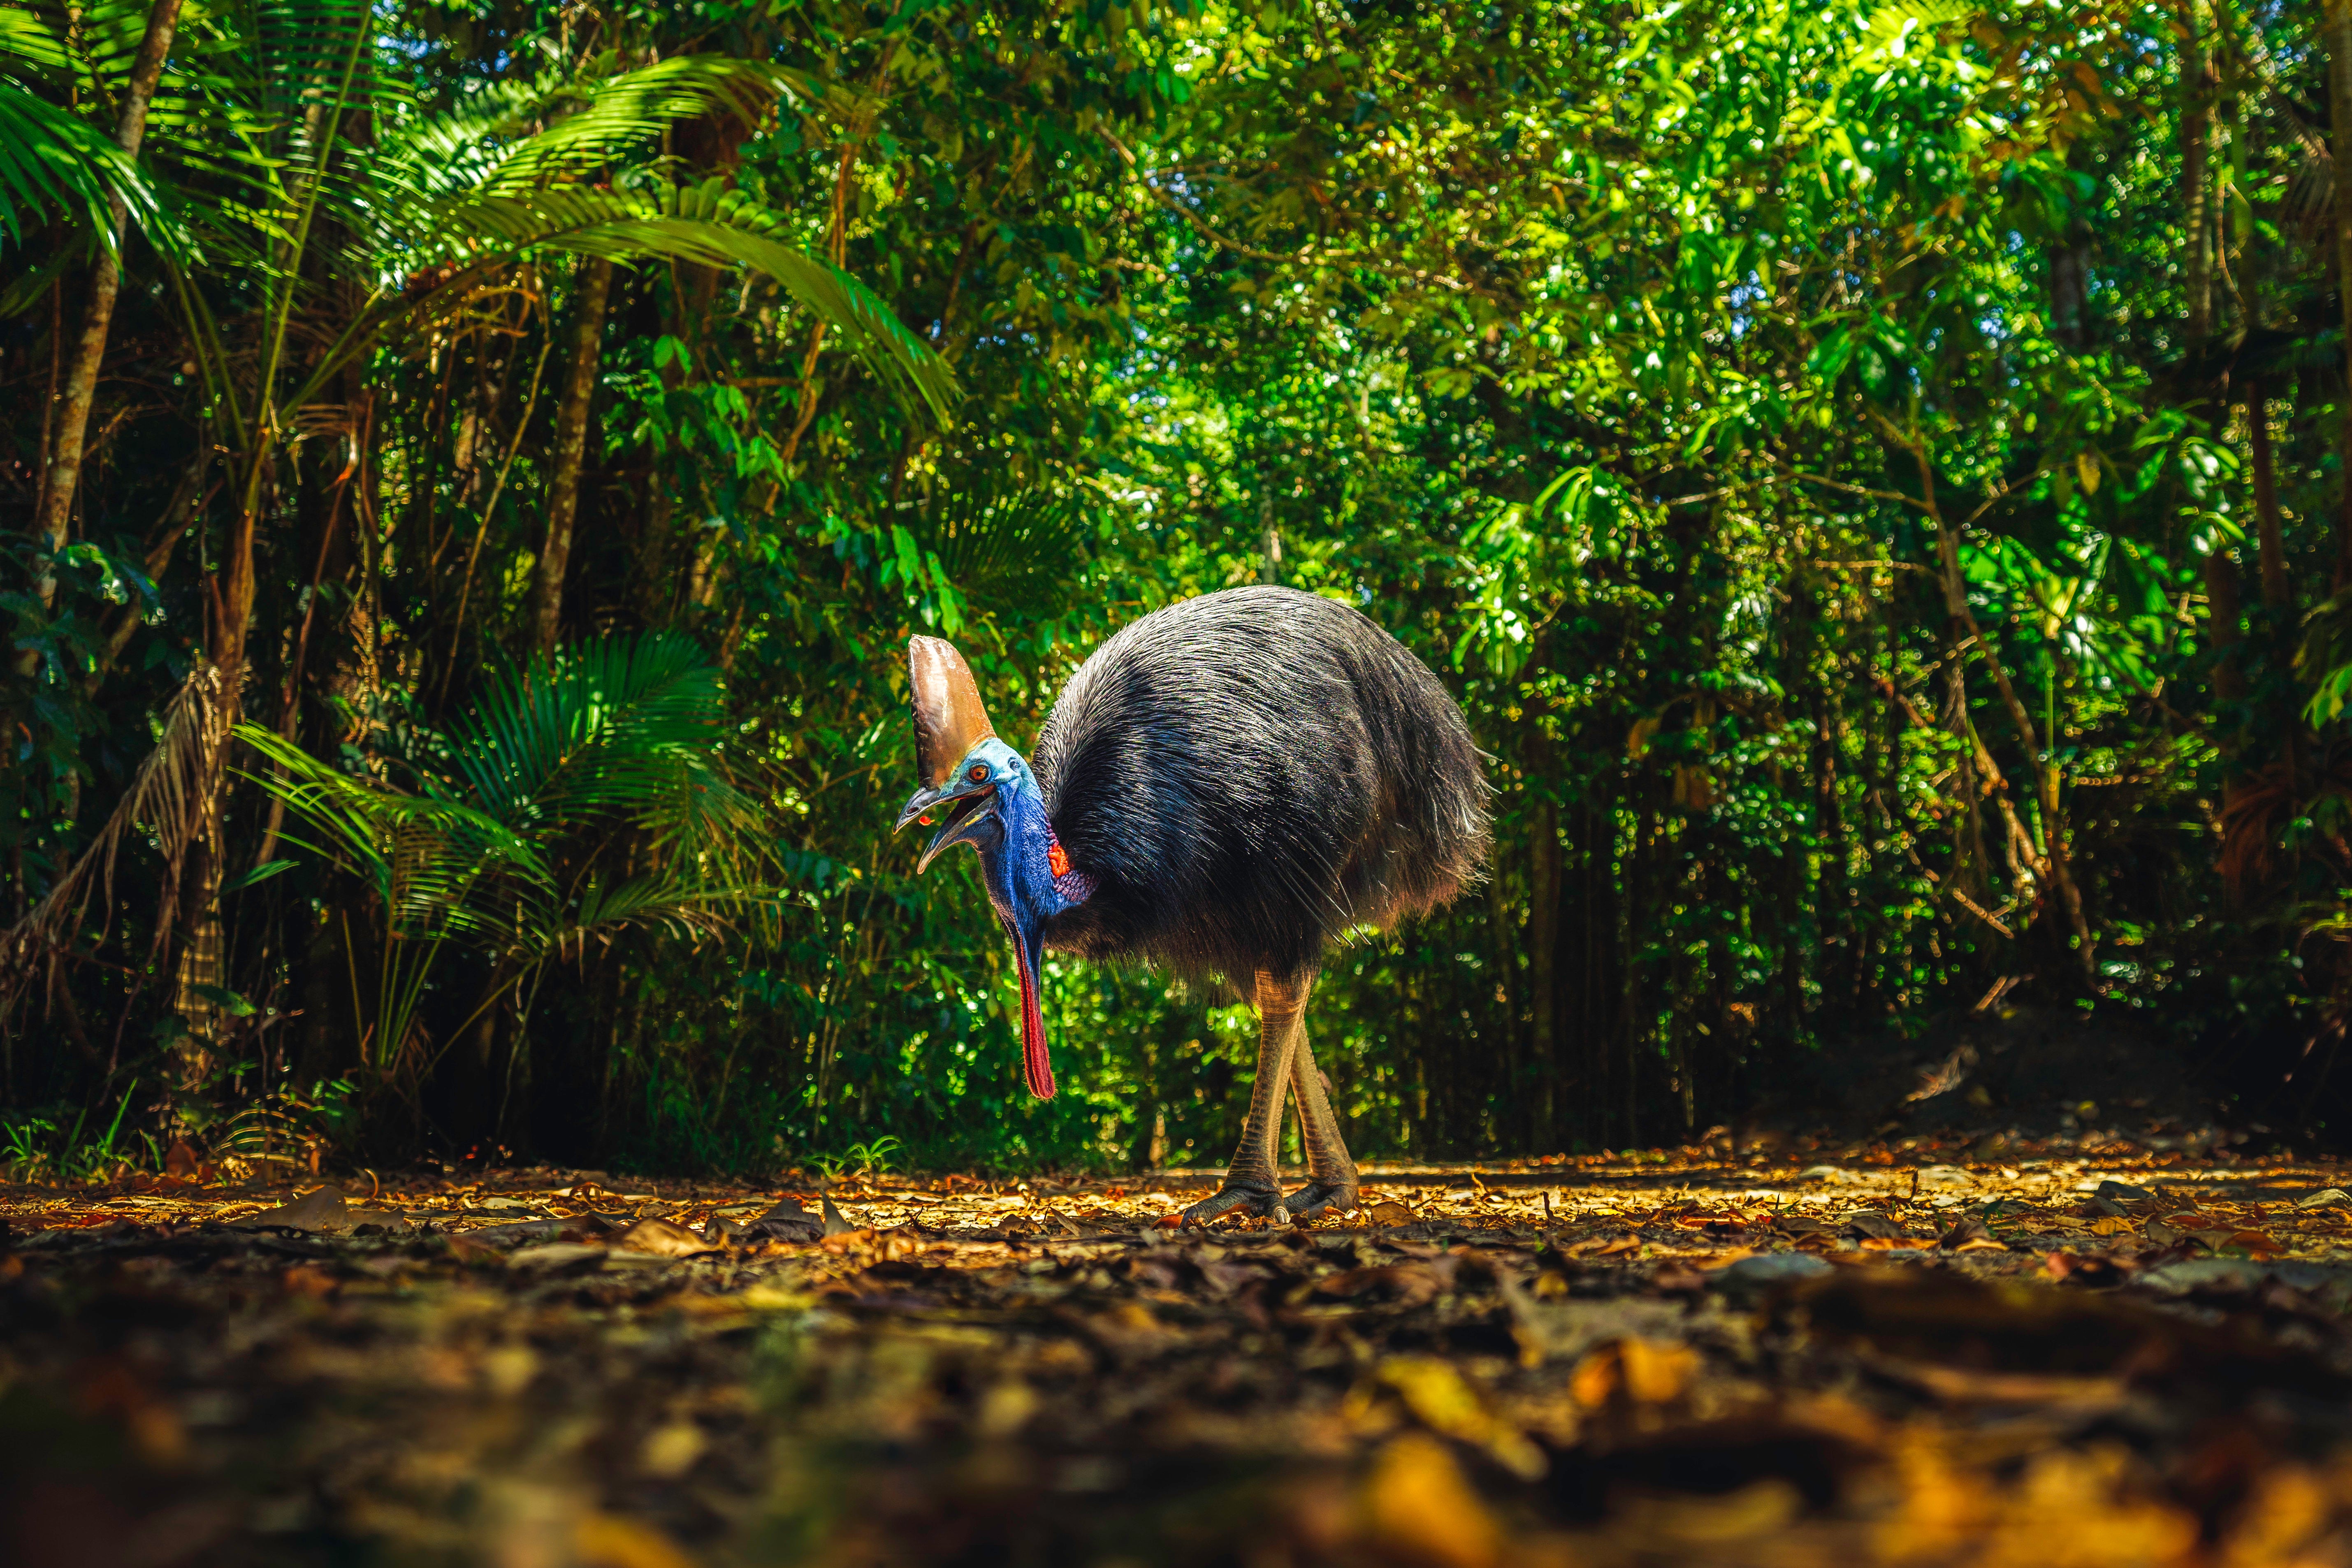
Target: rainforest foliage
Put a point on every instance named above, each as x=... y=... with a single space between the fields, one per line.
x=1872 y=476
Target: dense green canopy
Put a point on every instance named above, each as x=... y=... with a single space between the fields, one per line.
x=1874 y=476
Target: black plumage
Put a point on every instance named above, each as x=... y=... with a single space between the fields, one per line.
x=1248 y=775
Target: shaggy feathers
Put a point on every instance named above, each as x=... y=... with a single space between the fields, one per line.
x=1249 y=773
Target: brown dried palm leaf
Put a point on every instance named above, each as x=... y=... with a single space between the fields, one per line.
x=2257 y=806
x=171 y=799
x=2262 y=803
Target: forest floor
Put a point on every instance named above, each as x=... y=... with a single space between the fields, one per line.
x=2055 y=1356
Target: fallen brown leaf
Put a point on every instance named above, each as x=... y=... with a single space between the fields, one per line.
x=660 y=1239
x=608 y=1541
x=321 y=1210
x=1441 y=1400
x=1649 y=1372
x=1417 y=1505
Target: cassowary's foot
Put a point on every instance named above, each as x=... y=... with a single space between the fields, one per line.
x=1316 y=1197
x=1266 y=1201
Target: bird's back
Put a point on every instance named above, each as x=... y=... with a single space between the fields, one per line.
x=1247 y=775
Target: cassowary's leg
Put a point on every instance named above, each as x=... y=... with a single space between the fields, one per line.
x=1253 y=1183
x=1331 y=1175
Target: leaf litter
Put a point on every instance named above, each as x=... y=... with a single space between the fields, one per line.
x=2136 y=1360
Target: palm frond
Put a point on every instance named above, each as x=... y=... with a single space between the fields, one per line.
x=103 y=40
x=1004 y=548
x=695 y=912
x=52 y=162
x=439 y=866
x=704 y=816
x=25 y=36
x=166 y=802
x=607 y=726
x=601 y=755
x=719 y=226
x=303 y=53
x=522 y=136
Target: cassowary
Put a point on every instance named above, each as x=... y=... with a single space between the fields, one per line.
x=1227 y=786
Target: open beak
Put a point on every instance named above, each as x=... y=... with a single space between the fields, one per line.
x=967 y=809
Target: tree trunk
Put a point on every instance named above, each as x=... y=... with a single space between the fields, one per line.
x=1833 y=892
x=2336 y=26
x=1543 y=966
x=570 y=447
x=1586 y=991
x=2220 y=569
x=2222 y=606
x=2196 y=184
x=61 y=476
x=2278 y=593
x=2054 y=865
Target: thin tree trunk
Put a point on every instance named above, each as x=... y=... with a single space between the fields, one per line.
x=2053 y=863
x=1543 y=965
x=836 y=247
x=571 y=448
x=2223 y=608
x=2196 y=184
x=49 y=403
x=2278 y=592
x=2336 y=26
x=61 y=474
x=2220 y=569
x=1598 y=950
x=1636 y=1003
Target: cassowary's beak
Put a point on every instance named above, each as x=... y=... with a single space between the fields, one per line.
x=967 y=809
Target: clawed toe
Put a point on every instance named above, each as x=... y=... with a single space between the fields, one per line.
x=1317 y=1197
x=1314 y=1198
x=1250 y=1201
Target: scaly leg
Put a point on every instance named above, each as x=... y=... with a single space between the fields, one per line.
x=1253 y=1183
x=1331 y=1175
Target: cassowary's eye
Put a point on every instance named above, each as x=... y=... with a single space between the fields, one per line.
x=979 y=772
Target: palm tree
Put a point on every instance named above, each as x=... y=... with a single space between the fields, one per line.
x=586 y=795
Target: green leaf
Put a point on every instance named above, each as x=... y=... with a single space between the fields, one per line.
x=228 y=1001
x=262 y=873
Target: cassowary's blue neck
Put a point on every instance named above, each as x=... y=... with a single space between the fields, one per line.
x=1001 y=813
x=1029 y=878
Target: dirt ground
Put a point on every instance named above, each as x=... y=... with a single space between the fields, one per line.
x=2040 y=1355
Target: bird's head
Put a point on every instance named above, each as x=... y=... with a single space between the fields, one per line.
x=991 y=802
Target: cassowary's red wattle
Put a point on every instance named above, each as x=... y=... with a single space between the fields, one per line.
x=1036 y=1064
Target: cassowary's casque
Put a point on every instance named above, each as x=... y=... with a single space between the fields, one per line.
x=1227 y=785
